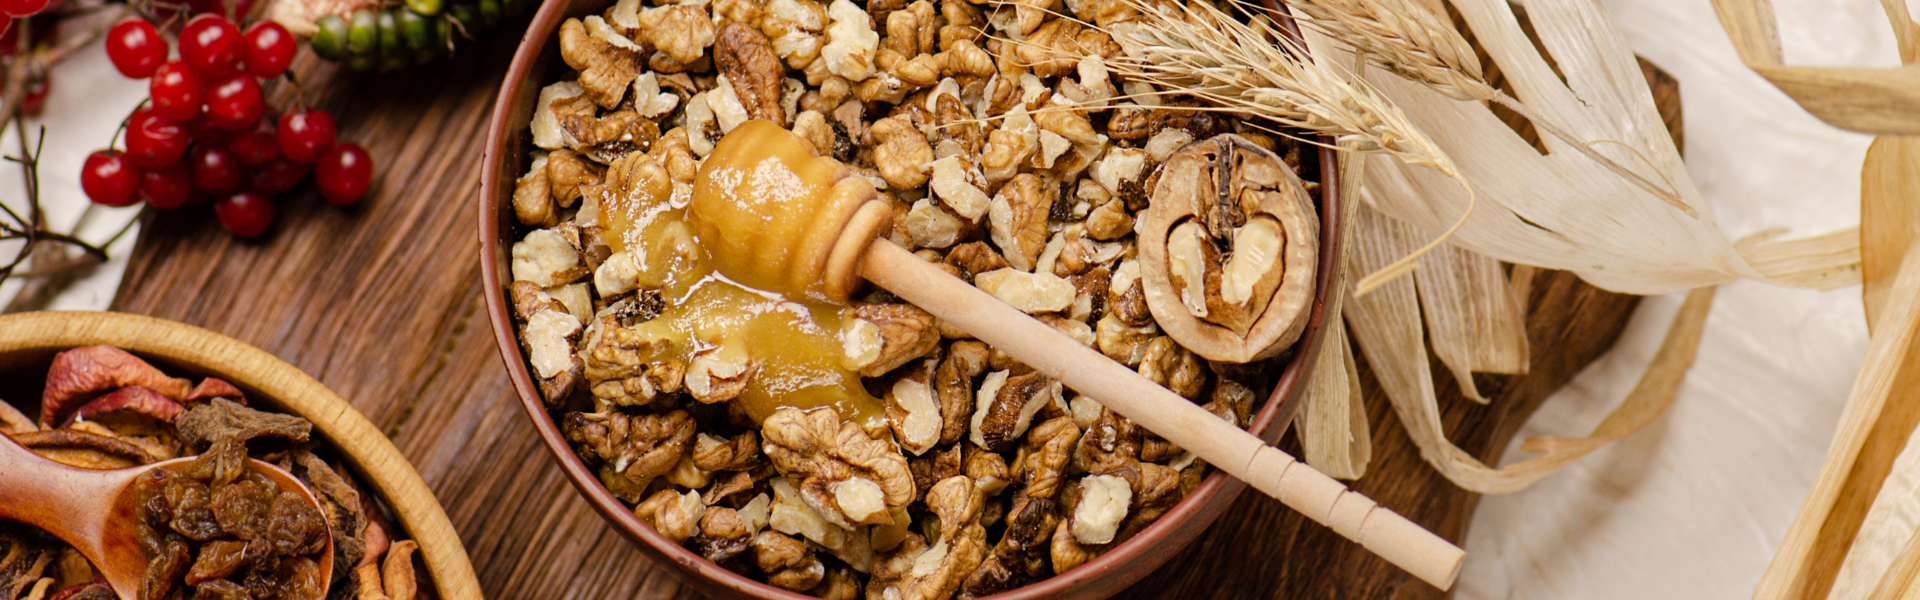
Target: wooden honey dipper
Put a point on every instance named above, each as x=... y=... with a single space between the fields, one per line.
x=776 y=216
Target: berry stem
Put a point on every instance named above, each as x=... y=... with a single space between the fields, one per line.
x=111 y=142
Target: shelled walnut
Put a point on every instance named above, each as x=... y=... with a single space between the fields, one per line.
x=1012 y=158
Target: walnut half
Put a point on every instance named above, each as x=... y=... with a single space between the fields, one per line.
x=843 y=474
x=1229 y=250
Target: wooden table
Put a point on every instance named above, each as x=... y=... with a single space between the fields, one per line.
x=382 y=302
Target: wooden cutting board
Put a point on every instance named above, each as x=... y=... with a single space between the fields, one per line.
x=381 y=302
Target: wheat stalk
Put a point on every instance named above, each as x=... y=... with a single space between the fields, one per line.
x=1254 y=68
x=1406 y=39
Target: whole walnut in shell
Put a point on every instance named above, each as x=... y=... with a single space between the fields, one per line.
x=1229 y=250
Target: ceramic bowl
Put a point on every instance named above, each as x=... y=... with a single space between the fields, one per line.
x=536 y=64
x=28 y=342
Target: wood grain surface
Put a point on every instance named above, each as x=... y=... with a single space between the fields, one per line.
x=381 y=302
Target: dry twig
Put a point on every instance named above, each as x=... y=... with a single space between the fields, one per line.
x=50 y=255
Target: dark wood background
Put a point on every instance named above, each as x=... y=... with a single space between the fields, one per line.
x=382 y=302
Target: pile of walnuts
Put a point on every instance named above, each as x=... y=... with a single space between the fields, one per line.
x=1015 y=160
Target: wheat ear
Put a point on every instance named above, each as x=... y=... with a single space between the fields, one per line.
x=1407 y=39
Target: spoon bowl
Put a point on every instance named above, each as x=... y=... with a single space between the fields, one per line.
x=94 y=510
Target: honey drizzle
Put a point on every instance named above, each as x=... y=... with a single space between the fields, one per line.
x=793 y=340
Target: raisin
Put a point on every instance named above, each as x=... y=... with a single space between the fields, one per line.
x=91 y=591
x=302 y=579
x=152 y=541
x=221 y=589
x=180 y=493
x=242 y=508
x=260 y=553
x=263 y=582
x=193 y=512
x=295 y=527
x=217 y=560
x=165 y=570
x=221 y=464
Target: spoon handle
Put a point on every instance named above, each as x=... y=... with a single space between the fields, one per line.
x=1231 y=449
x=65 y=501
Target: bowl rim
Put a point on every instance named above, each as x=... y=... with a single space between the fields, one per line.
x=370 y=452
x=1216 y=491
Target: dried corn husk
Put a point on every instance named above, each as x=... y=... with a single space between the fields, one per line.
x=1822 y=262
x=1473 y=322
x=1416 y=43
x=1388 y=328
x=1562 y=210
x=1882 y=557
x=1879 y=417
x=1886 y=536
x=1878 y=541
x=1865 y=100
x=1889 y=215
x=1334 y=436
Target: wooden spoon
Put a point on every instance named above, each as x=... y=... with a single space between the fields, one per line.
x=93 y=510
x=769 y=236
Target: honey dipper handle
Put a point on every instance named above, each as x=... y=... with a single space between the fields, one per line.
x=1299 y=486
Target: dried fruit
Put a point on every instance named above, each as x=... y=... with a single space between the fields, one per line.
x=80 y=374
x=82 y=449
x=212 y=527
x=223 y=419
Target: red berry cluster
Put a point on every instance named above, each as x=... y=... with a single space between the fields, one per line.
x=20 y=9
x=208 y=132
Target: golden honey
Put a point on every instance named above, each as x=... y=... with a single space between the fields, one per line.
x=739 y=260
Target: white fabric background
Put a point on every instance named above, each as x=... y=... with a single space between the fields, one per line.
x=1693 y=506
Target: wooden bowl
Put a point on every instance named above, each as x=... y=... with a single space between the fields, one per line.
x=537 y=63
x=28 y=342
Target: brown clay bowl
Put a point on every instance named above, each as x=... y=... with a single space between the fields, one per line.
x=537 y=63
x=28 y=342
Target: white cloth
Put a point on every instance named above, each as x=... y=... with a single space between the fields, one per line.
x=1695 y=505
x=85 y=104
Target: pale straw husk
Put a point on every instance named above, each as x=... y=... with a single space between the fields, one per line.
x=1867 y=100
